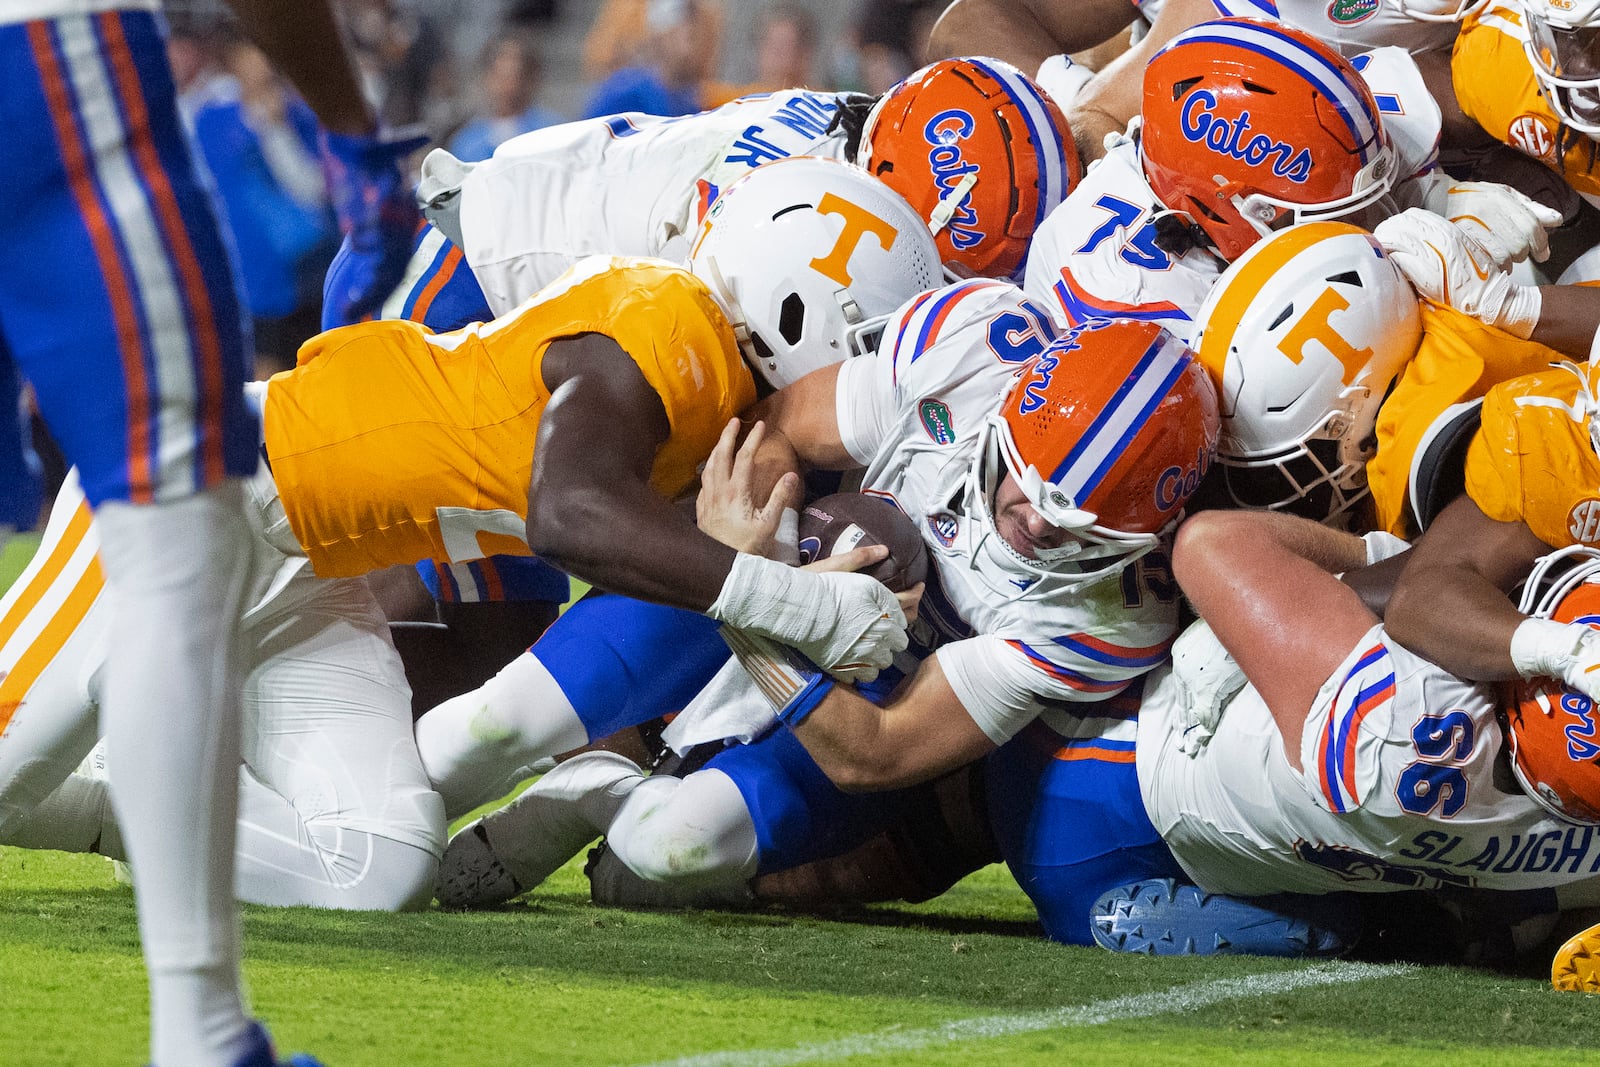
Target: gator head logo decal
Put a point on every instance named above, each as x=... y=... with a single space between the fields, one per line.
x=936 y=422
x=1232 y=137
x=1350 y=12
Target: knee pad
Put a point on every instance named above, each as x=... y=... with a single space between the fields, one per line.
x=694 y=830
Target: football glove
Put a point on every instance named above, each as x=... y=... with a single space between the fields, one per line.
x=1508 y=224
x=378 y=214
x=1447 y=266
x=1208 y=678
x=848 y=624
x=1570 y=651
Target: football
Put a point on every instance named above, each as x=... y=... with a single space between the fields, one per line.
x=844 y=521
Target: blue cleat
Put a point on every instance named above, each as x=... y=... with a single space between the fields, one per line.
x=1161 y=917
x=261 y=1054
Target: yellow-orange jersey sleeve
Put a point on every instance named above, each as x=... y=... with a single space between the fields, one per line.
x=1495 y=87
x=390 y=444
x=1532 y=459
x=1459 y=359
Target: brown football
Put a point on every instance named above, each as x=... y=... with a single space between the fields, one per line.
x=844 y=521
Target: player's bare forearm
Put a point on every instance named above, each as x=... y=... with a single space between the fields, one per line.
x=923 y=732
x=1451 y=604
x=1025 y=32
x=1116 y=94
x=591 y=508
x=302 y=39
x=1569 y=315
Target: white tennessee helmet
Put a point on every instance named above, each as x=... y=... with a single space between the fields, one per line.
x=808 y=257
x=1304 y=335
x=1564 y=47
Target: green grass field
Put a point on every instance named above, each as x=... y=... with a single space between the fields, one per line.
x=965 y=979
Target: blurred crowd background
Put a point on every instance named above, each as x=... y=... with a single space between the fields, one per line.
x=473 y=73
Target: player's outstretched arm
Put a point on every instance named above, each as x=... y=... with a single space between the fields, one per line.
x=593 y=513
x=1116 y=94
x=1265 y=583
x=1025 y=33
x=1450 y=605
x=923 y=732
x=591 y=508
x=303 y=41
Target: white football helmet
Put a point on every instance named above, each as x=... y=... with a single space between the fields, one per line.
x=1564 y=47
x=808 y=257
x=1304 y=335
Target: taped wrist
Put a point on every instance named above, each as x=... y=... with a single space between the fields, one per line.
x=754 y=585
x=1519 y=315
x=1544 y=647
x=792 y=684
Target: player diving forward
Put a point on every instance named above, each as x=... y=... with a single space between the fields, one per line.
x=565 y=427
x=972 y=144
x=1044 y=517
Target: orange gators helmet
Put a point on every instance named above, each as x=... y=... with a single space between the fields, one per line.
x=980 y=151
x=1555 y=730
x=1108 y=432
x=1249 y=125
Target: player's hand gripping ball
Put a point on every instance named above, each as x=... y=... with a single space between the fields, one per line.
x=844 y=521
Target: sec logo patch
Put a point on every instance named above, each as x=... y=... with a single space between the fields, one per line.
x=1532 y=134
x=1583 y=521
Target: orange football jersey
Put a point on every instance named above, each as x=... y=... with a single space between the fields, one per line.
x=391 y=444
x=1459 y=359
x=1533 y=459
x=1496 y=88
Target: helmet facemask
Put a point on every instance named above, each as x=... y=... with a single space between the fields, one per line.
x=1090 y=552
x=1566 y=62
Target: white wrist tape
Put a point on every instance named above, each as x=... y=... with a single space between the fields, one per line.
x=1544 y=647
x=1061 y=79
x=1381 y=545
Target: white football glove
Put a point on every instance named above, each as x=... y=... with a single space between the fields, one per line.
x=848 y=624
x=1447 y=266
x=1510 y=225
x=1570 y=651
x=1208 y=678
x=1061 y=78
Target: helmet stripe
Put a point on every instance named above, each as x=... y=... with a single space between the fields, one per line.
x=1328 y=78
x=1048 y=147
x=1124 y=415
x=1254 y=9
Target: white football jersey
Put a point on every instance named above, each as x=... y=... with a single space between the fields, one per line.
x=628 y=185
x=1404 y=786
x=1095 y=255
x=912 y=416
x=1349 y=25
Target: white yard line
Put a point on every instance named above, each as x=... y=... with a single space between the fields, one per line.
x=1116 y=1009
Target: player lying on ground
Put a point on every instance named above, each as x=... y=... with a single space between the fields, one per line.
x=1028 y=613
x=390 y=444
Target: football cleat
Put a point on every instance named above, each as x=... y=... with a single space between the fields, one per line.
x=1160 y=917
x=470 y=875
x=612 y=884
x=259 y=1052
x=1577 y=964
